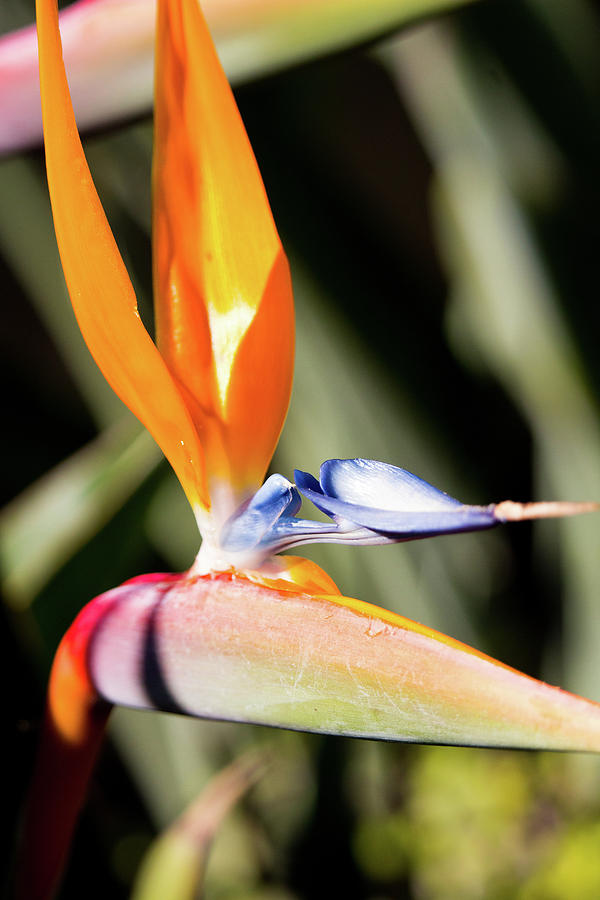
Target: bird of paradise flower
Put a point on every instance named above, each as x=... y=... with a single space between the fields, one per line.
x=245 y=634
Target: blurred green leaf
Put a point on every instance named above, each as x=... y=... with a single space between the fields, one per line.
x=42 y=528
x=174 y=866
x=255 y=37
x=26 y=222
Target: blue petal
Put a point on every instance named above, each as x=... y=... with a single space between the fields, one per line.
x=305 y=481
x=389 y=501
x=368 y=482
x=288 y=532
x=246 y=528
x=294 y=504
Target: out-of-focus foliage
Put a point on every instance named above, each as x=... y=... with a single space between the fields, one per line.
x=438 y=198
x=176 y=862
x=492 y=825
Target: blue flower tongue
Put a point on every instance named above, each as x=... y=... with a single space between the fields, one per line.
x=371 y=503
x=245 y=529
x=389 y=500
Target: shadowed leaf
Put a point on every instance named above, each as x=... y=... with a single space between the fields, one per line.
x=174 y=866
x=43 y=527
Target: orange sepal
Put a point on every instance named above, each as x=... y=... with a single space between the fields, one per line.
x=292 y=573
x=98 y=283
x=224 y=308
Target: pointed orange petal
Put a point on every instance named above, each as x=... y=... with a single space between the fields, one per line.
x=224 y=302
x=100 y=289
x=293 y=573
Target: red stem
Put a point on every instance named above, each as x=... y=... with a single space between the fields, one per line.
x=74 y=724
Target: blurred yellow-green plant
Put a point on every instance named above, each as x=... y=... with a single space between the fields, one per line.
x=176 y=862
x=437 y=194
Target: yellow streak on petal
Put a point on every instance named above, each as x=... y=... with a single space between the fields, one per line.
x=224 y=307
x=227 y=329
